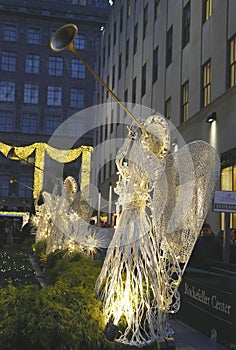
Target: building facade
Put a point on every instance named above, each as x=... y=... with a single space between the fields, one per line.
x=176 y=57
x=40 y=89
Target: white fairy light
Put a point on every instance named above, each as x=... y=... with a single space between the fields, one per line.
x=155 y=235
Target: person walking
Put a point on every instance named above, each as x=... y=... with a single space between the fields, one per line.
x=208 y=247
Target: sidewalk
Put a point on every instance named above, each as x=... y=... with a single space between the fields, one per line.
x=187 y=338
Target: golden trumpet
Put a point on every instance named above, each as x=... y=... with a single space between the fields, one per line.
x=63 y=39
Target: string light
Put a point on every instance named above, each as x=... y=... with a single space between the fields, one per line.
x=60 y=156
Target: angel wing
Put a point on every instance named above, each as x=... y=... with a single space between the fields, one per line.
x=191 y=175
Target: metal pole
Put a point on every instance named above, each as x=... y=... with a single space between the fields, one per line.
x=226 y=239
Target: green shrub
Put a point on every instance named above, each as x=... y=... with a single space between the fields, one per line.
x=63 y=316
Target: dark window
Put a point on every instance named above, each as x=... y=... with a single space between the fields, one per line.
x=109 y=45
x=9 y=33
x=8 y=61
x=127 y=53
x=186 y=25
x=121 y=18
x=77 y=98
x=114 y=33
x=7 y=91
x=54 y=97
x=143 y=88
x=145 y=21
x=155 y=65
x=168 y=108
x=77 y=69
x=113 y=76
x=126 y=95
x=169 y=42
x=135 y=38
x=33 y=35
x=134 y=91
x=52 y=123
x=32 y=63
x=7 y=121
x=55 y=66
x=30 y=123
x=79 y=41
x=120 y=66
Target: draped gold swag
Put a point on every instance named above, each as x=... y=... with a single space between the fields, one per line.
x=60 y=156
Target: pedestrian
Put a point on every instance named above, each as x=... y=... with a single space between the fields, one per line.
x=208 y=247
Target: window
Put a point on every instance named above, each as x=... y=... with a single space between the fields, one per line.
x=25 y=189
x=169 y=39
x=4 y=185
x=168 y=108
x=104 y=56
x=78 y=69
x=155 y=65
x=128 y=8
x=55 y=66
x=126 y=95
x=30 y=123
x=120 y=66
x=186 y=25
x=54 y=96
x=32 y=64
x=135 y=38
x=127 y=53
x=121 y=19
x=145 y=21
x=185 y=101
x=113 y=76
x=7 y=91
x=8 y=61
x=207 y=10
x=79 y=41
x=206 y=84
x=156 y=9
x=108 y=81
x=33 y=35
x=31 y=93
x=134 y=91
x=9 y=33
x=232 y=62
x=114 y=33
x=109 y=45
x=77 y=98
x=143 y=88
x=52 y=123
x=7 y=121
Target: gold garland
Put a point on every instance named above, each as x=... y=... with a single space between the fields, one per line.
x=61 y=156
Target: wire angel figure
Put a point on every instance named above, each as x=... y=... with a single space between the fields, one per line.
x=164 y=199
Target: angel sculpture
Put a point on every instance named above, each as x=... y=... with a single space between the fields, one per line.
x=164 y=199
x=62 y=221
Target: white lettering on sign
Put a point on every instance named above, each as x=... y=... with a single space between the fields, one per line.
x=209 y=300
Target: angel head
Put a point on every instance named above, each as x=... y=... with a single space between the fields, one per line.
x=157 y=137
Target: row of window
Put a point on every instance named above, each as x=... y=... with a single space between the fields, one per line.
x=207 y=13
x=21 y=189
x=31 y=94
x=205 y=80
x=34 y=37
x=29 y=122
x=32 y=65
